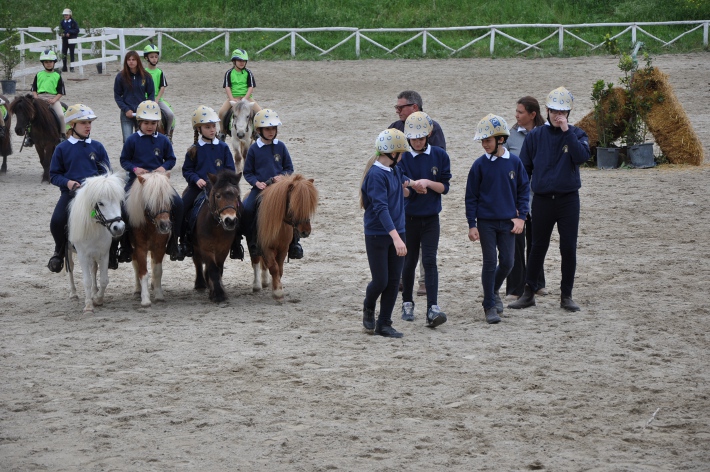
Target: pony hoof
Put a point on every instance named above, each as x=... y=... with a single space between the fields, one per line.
x=98 y=301
x=145 y=304
x=88 y=311
x=256 y=288
x=73 y=296
x=136 y=295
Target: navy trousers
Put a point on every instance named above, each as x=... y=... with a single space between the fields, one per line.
x=59 y=221
x=497 y=242
x=386 y=269
x=562 y=210
x=421 y=231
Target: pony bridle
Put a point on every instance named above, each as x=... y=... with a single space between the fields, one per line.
x=101 y=219
x=288 y=220
x=217 y=214
x=152 y=216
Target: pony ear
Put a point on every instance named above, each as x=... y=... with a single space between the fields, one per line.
x=312 y=181
x=141 y=179
x=212 y=177
x=239 y=177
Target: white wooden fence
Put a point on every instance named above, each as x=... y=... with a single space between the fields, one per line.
x=113 y=43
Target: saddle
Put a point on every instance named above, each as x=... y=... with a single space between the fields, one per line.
x=192 y=219
x=59 y=119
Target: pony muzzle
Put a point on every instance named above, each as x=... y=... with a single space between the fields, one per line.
x=117 y=229
x=229 y=222
x=164 y=226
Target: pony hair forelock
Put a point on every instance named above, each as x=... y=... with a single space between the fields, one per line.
x=154 y=195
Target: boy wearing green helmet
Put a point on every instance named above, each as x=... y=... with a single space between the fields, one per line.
x=238 y=84
x=49 y=86
x=151 y=53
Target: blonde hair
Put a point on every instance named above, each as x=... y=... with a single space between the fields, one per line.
x=369 y=164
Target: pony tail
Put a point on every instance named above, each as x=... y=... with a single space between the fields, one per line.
x=364 y=174
x=192 y=150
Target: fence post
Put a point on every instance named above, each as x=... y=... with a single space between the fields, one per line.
x=226 y=44
x=633 y=34
x=160 y=42
x=424 y=33
x=562 y=38
x=493 y=40
x=293 y=44
x=81 y=58
x=705 y=34
x=357 y=42
x=122 y=45
x=103 y=56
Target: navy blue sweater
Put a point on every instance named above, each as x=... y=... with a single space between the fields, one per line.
x=210 y=157
x=128 y=98
x=383 y=197
x=69 y=26
x=432 y=164
x=554 y=157
x=497 y=190
x=148 y=152
x=266 y=161
x=76 y=160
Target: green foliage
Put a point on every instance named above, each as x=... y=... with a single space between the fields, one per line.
x=9 y=38
x=376 y=14
x=605 y=114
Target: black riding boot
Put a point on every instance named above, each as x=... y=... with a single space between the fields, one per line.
x=113 y=255
x=125 y=251
x=56 y=262
x=186 y=243
x=295 y=251
x=174 y=249
x=28 y=142
x=237 y=251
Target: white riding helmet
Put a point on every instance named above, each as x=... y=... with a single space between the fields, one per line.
x=204 y=114
x=559 y=99
x=418 y=125
x=66 y=12
x=78 y=112
x=265 y=118
x=391 y=140
x=148 y=111
x=491 y=125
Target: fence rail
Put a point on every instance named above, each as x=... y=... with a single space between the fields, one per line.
x=112 y=50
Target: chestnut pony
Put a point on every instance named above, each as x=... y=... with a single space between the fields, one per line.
x=148 y=207
x=286 y=206
x=214 y=231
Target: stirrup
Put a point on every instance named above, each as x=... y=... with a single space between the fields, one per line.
x=295 y=251
x=56 y=263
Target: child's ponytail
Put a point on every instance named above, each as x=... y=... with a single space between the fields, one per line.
x=192 y=150
x=364 y=174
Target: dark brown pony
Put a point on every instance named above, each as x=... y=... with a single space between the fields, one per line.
x=148 y=207
x=36 y=116
x=5 y=134
x=214 y=232
x=285 y=207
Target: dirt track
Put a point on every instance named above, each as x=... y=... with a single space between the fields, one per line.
x=252 y=385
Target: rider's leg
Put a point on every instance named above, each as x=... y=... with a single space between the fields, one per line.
x=169 y=116
x=125 y=252
x=175 y=248
x=58 y=228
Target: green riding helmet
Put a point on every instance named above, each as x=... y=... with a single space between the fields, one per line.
x=240 y=54
x=150 y=48
x=48 y=55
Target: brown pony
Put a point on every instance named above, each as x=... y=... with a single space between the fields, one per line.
x=285 y=207
x=35 y=116
x=5 y=135
x=148 y=207
x=214 y=232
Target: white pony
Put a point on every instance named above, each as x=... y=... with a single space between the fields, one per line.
x=242 y=131
x=94 y=220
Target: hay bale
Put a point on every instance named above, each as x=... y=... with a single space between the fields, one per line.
x=669 y=124
x=589 y=124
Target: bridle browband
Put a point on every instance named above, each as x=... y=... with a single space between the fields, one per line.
x=101 y=219
x=217 y=214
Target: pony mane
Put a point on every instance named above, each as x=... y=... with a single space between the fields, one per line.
x=154 y=195
x=105 y=187
x=296 y=193
x=40 y=109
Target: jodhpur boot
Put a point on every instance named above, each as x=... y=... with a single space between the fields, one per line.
x=237 y=251
x=295 y=251
x=527 y=299
x=492 y=315
x=56 y=262
x=174 y=249
x=113 y=256
x=186 y=243
x=499 y=303
x=368 y=318
x=387 y=331
x=568 y=304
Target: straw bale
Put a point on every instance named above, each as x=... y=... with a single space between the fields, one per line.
x=589 y=124
x=669 y=124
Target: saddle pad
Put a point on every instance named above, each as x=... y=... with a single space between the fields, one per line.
x=199 y=201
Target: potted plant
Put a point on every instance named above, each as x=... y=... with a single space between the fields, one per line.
x=10 y=57
x=639 y=99
x=606 y=116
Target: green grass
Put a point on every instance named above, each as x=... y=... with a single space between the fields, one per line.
x=372 y=14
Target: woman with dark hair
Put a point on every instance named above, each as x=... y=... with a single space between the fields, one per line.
x=528 y=117
x=132 y=86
